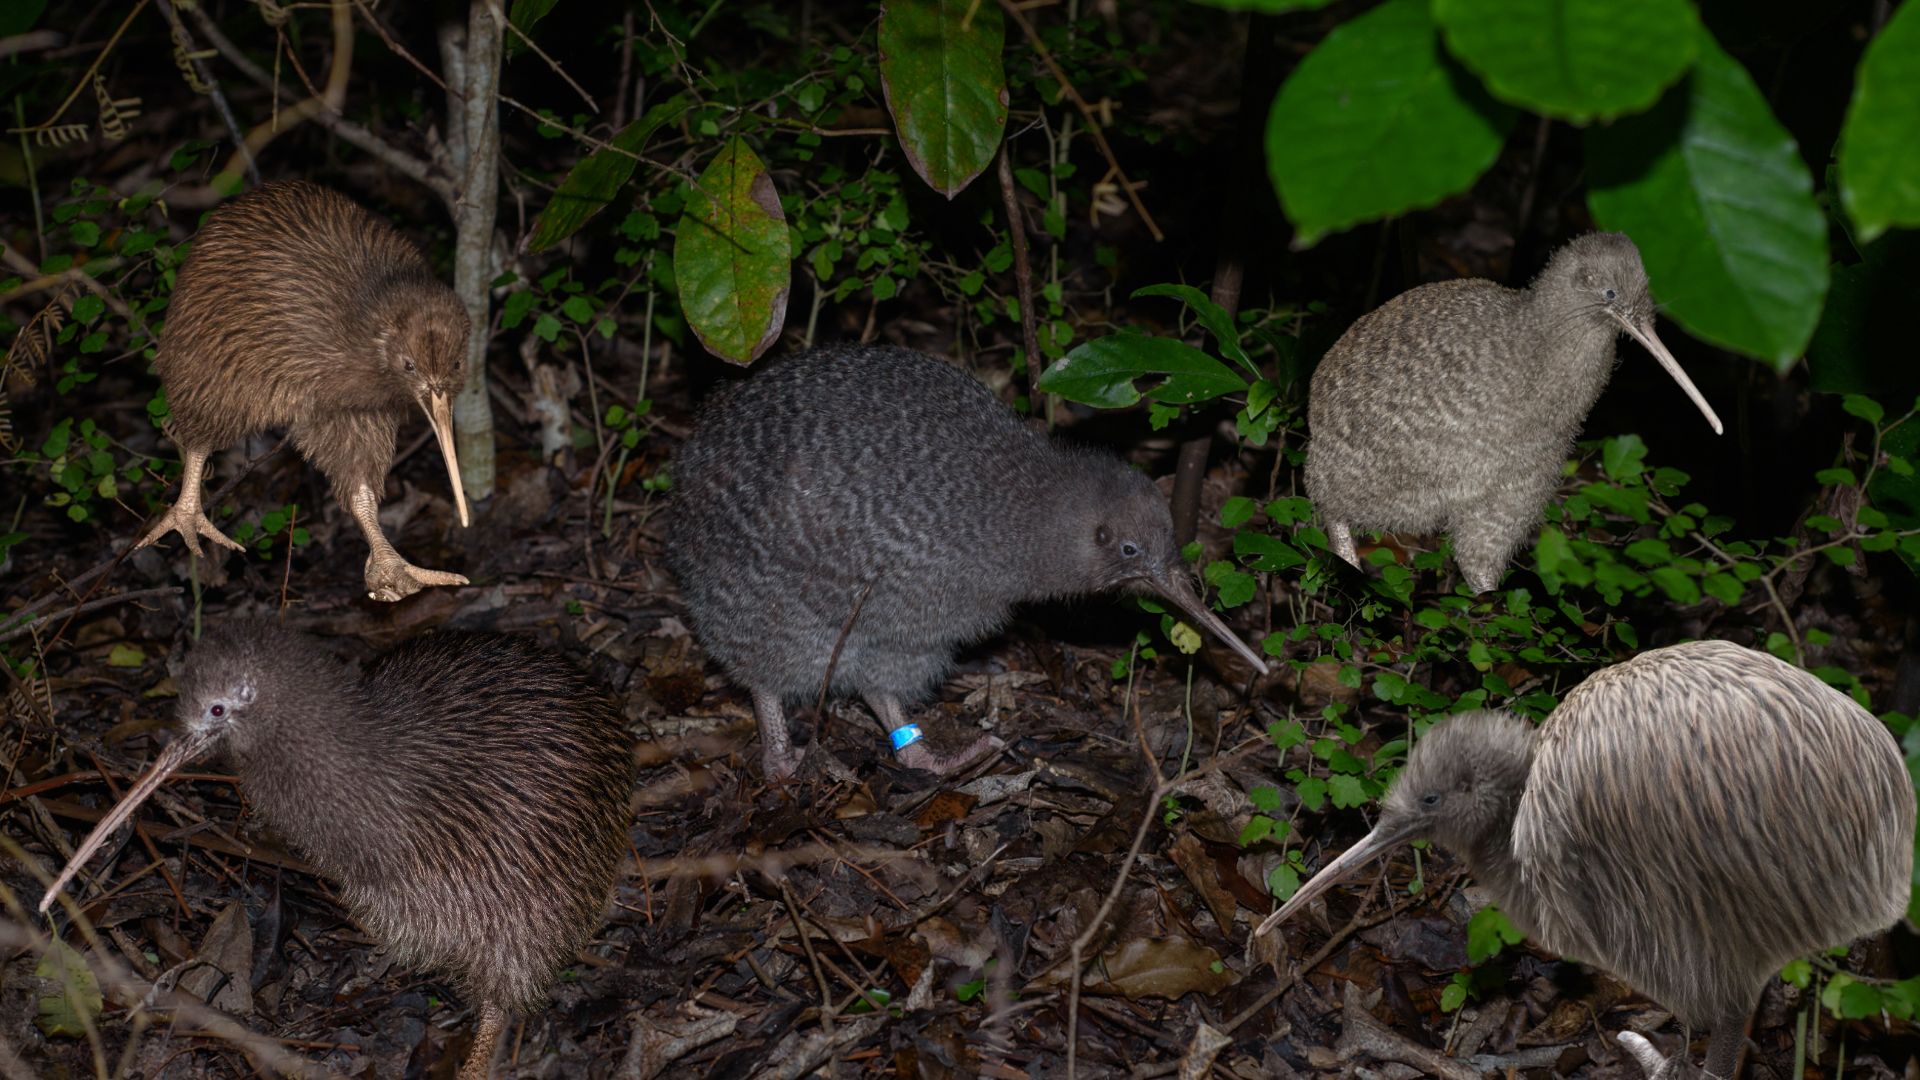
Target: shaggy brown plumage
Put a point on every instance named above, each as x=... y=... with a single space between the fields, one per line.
x=1453 y=405
x=1690 y=820
x=297 y=309
x=468 y=792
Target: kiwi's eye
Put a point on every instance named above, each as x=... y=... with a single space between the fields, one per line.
x=217 y=711
x=407 y=363
x=1430 y=799
x=1609 y=294
x=1130 y=549
x=1102 y=536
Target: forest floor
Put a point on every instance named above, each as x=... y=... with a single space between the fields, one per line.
x=883 y=920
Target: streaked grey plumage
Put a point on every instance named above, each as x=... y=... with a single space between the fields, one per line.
x=849 y=469
x=297 y=309
x=1453 y=405
x=468 y=792
x=1690 y=820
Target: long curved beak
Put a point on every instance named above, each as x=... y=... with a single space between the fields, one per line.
x=1651 y=342
x=1173 y=586
x=440 y=416
x=1384 y=837
x=178 y=753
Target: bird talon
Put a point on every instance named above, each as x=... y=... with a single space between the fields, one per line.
x=191 y=524
x=395 y=579
x=1655 y=1065
x=918 y=755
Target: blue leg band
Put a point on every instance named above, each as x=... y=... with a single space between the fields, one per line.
x=904 y=736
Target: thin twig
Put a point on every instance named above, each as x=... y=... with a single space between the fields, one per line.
x=1086 y=114
x=188 y=51
x=542 y=54
x=418 y=169
x=91 y=605
x=846 y=629
x=813 y=958
x=1023 y=279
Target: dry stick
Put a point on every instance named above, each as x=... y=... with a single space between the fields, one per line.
x=813 y=958
x=331 y=98
x=86 y=77
x=187 y=46
x=1360 y=921
x=404 y=163
x=82 y=609
x=542 y=54
x=1023 y=278
x=1086 y=114
x=833 y=661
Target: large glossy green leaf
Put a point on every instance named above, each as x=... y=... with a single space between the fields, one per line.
x=1713 y=191
x=1880 y=146
x=1103 y=371
x=945 y=80
x=598 y=177
x=1575 y=59
x=1377 y=120
x=732 y=260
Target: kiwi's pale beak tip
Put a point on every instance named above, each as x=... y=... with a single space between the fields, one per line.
x=1173 y=587
x=1642 y=332
x=439 y=410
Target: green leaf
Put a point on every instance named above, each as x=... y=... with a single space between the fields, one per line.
x=1624 y=457
x=1864 y=407
x=595 y=179
x=1455 y=994
x=1714 y=193
x=75 y=1001
x=1211 y=315
x=1102 y=372
x=1578 y=60
x=945 y=79
x=125 y=655
x=1376 y=121
x=1236 y=511
x=1880 y=145
x=1488 y=932
x=1679 y=588
x=523 y=14
x=1346 y=791
x=1850 y=999
x=1257 y=828
x=578 y=308
x=731 y=258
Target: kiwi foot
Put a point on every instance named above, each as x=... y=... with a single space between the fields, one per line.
x=191 y=523
x=393 y=578
x=1657 y=1067
x=918 y=755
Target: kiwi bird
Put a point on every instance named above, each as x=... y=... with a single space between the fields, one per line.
x=1453 y=406
x=468 y=792
x=297 y=309
x=1690 y=820
x=887 y=496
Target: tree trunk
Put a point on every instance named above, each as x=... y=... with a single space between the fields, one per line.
x=477 y=120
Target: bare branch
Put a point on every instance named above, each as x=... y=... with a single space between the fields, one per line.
x=402 y=162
